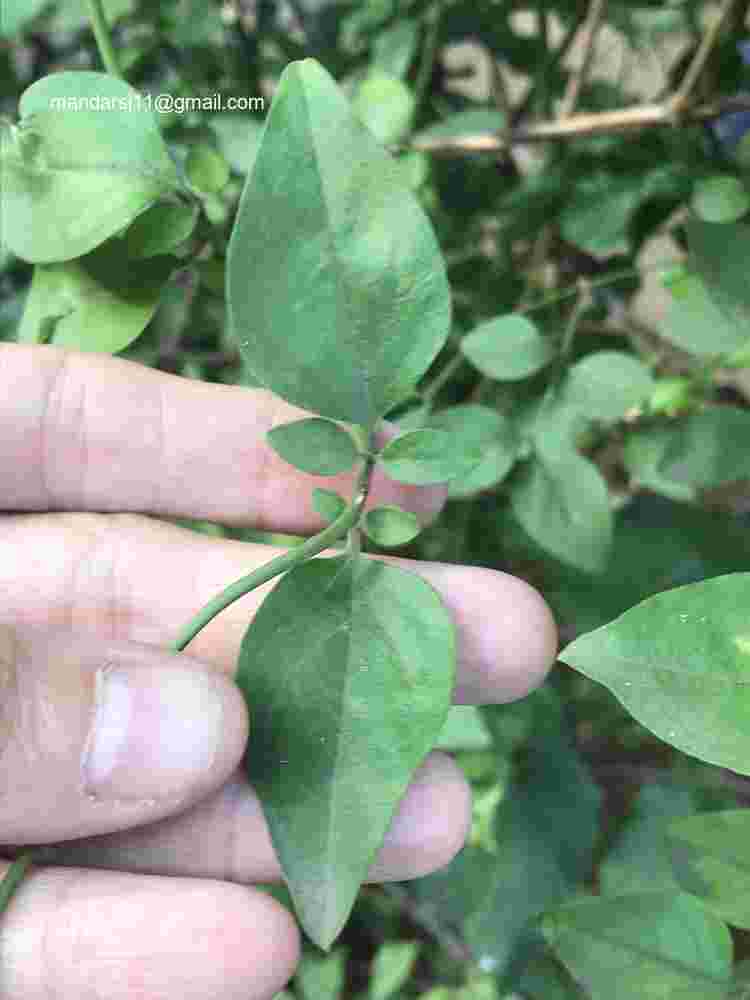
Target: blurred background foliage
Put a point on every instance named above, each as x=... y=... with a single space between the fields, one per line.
x=598 y=354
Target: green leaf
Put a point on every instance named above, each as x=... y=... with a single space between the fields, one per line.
x=423 y=457
x=562 y=502
x=697 y=323
x=349 y=667
x=507 y=348
x=464 y=730
x=643 y=456
x=328 y=504
x=711 y=307
x=657 y=544
x=72 y=178
x=390 y=526
x=474 y=428
x=546 y=826
x=385 y=105
x=314 y=445
x=206 y=169
x=597 y=216
x=646 y=945
x=721 y=198
x=238 y=135
x=709 y=854
x=15 y=13
x=707 y=449
x=741 y=990
x=639 y=860
x=100 y=302
x=395 y=47
x=546 y=979
x=604 y=385
x=718 y=253
x=391 y=968
x=671 y=396
x=322 y=977
x=336 y=287
x=194 y=23
x=161 y=228
x=414 y=168
x=677 y=662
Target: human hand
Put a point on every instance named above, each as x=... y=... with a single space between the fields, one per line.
x=94 y=589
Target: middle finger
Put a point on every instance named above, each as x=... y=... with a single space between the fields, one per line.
x=133 y=577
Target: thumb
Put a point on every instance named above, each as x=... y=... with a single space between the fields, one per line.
x=99 y=735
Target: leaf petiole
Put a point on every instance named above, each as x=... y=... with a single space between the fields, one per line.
x=335 y=531
x=13 y=878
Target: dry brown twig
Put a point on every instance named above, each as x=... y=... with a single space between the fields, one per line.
x=588 y=42
x=676 y=109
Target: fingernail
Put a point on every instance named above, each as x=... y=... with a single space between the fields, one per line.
x=153 y=732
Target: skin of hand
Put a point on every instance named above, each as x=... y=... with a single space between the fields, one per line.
x=126 y=759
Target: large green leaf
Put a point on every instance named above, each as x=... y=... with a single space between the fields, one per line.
x=336 y=287
x=709 y=854
x=679 y=662
x=654 y=946
x=73 y=177
x=348 y=666
x=100 y=302
x=562 y=502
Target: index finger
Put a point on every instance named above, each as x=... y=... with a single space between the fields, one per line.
x=89 y=432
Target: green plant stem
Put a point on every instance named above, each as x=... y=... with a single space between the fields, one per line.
x=571 y=327
x=573 y=290
x=430 y=393
x=13 y=878
x=103 y=38
x=429 y=51
x=300 y=553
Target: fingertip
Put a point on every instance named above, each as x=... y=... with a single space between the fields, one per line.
x=514 y=656
x=120 y=935
x=431 y=823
